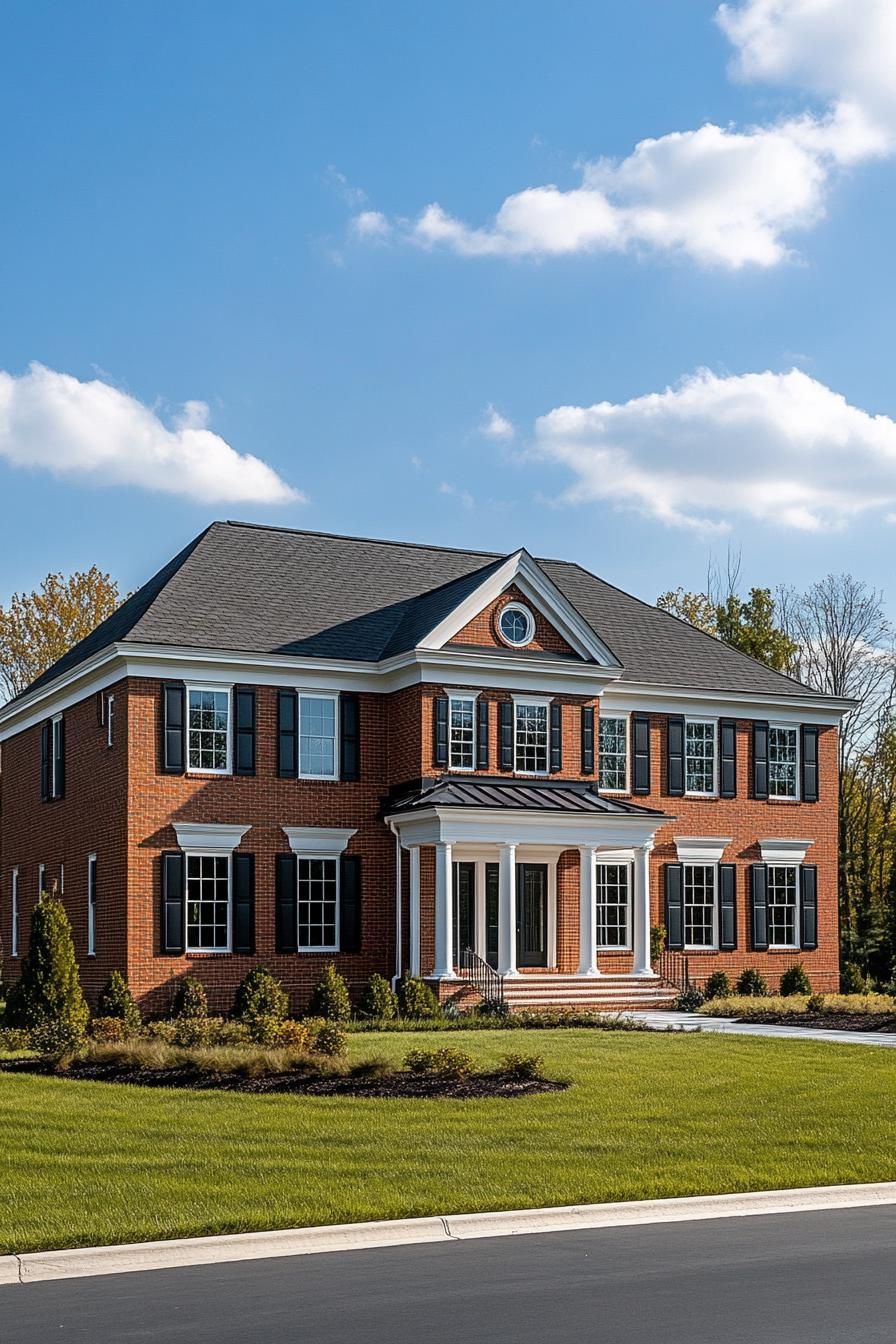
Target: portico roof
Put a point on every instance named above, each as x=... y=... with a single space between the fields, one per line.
x=536 y=795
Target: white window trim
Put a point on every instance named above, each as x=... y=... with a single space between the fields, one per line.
x=41 y=878
x=317 y=695
x=796 y=796
x=797 y=906
x=530 y=625
x=91 y=906
x=626 y=860
x=209 y=854
x=210 y=840
x=14 y=913
x=784 y=853
x=701 y=848
x=701 y=863
x=54 y=755
x=110 y=720
x=624 y=716
x=544 y=704
x=463 y=695
x=319 y=842
x=211 y=686
x=714 y=791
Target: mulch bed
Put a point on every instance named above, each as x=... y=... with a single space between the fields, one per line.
x=398 y=1084
x=826 y=1021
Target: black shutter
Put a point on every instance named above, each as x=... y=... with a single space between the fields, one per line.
x=808 y=907
x=482 y=735
x=727 y=758
x=674 y=907
x=727 y=907
x=758 y=890
x=59 y=761
x=556 y=738
x=350 y=903
x=640 y=753
x=287 y=734
x=173 y=901
x=588 y=740
x=349 y=736
x=243 y=903
x=286 y=932
x=46 y=738
x=809 y=758
x=440 y=730
x=244 y=730
x=760 y=760
x=675 y=756
x=174 y=728
x=506 y=735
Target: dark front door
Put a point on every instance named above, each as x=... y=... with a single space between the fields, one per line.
x=491 y=914
x=464 y=908
x=532 y=914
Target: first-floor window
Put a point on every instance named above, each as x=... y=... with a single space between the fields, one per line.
x=461 y=732
x=612 y=905
x=531 y=738
x=318 y=905
x=14 y=931
x=613 y=754
x=317 y=736
x=91 y=905
x=41 y=879
x=782 y=763
x=782 y=905
x=699 y=905
x=208 y=903
x=110 y=720
x=208 y=718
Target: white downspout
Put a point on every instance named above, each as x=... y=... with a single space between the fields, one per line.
x=398 y=932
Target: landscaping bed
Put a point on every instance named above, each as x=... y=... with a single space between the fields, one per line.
x=831 y=1012
x=832 y=1021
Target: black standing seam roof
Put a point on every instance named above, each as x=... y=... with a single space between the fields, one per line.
x=529 y=796
x=269 y=590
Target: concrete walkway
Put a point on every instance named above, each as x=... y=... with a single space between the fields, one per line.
x=661 y=1021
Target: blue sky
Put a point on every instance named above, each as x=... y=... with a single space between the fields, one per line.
x=226 y=204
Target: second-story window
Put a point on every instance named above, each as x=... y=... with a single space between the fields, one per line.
x=110 y=720
x=700 y=756
x=461 y=732
x=208 y=729
x=613 y=754
x=531 y=737
x=782 y=762
x=317 y=736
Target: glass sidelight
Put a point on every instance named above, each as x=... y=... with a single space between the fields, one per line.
x=532 y=914
x=464 y=908
x=491 y=913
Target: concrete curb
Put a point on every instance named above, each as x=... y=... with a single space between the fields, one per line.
x=44 y=1265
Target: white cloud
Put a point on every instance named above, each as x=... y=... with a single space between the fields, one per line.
x=466 y=499
x=53 y=421
x=720 y=195
x=495 y=425
x=778 y=447
x=371 y=224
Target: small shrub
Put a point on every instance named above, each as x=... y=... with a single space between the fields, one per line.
x=13 y=1039
x=109 y=1030
x=751 y=985
x=57 y=1038
x=48 y=991
x=292 y=1035
x=718 y=986
x=189 y=999
x=330 y=999
x=815 y=1003
x=117 y=1001
x=795 y=981
x=690 y=1000
x=493 y=1008
x=329 y=1039
x=189 y=1032
x=657 y=941
x=260 y=994
x=853 y=979
x=446 y=1062
x=416 y=999
x=522 y=1067
x=378 y=1001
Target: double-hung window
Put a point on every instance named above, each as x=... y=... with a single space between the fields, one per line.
x=110 y=720
x=318 y=904
x=208 y=903
x=317 y=736
x=14 y=931
x=208 y=729
x=700 y=756
x=783 y=906
x=699 y=894
x=461 y=732
x=613 y=900
x=91 y=905
x=613 y=754
x=531 y=737
x=41 y=879
x=783 y=762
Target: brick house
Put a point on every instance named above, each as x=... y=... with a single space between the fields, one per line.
x=290 y=748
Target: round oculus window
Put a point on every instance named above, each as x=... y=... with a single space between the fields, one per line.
x=516 y=624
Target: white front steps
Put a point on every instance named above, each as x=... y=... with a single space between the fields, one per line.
x=603 y=993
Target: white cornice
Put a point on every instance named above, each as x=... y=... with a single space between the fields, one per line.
x=209 y=836
x=497 y=826
x=317 y=841
x=776 y=850
x=701 y=848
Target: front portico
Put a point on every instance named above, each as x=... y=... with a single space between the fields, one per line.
x=509 y=868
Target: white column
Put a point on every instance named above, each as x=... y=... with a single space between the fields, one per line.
x=507 y=911
x=444 y=967
x=642 y=911
x=587 y=911
x=414 y=912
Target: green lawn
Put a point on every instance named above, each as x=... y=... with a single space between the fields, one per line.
x=648 y=1115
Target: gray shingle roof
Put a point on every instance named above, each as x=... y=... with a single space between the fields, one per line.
x=534 y=796
x=257 y=589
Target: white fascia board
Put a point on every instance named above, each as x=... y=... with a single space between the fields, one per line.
x=532 y=581
x=498 y=671
x=624 y=696
x=500 y=826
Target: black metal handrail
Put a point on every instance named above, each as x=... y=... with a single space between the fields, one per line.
x=484 y=978
x=673 y=969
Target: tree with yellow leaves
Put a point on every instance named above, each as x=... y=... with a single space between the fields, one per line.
x=39 y=627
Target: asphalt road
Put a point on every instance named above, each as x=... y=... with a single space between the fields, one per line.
x=812 y=1278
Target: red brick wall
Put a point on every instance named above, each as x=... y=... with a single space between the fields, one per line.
x=483 y=629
